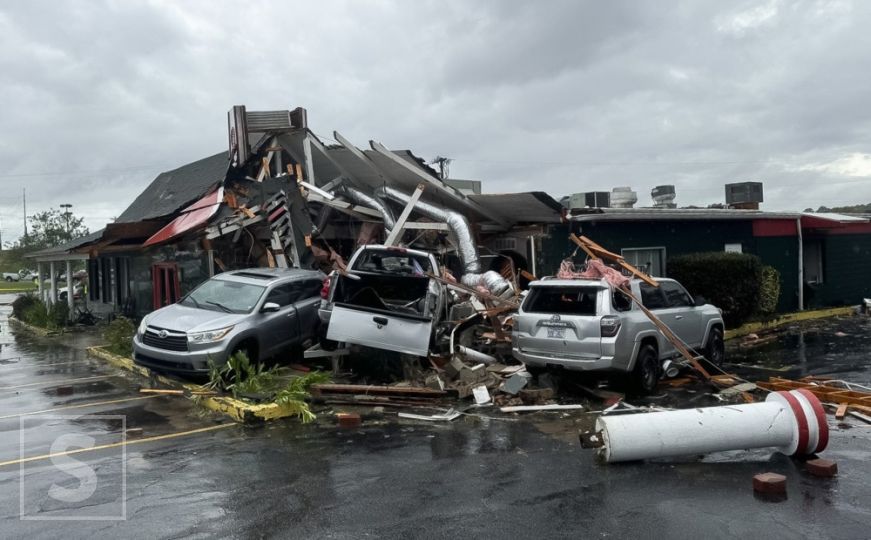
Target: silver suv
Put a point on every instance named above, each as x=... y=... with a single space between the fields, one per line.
x=261 y=311
x=585 y=325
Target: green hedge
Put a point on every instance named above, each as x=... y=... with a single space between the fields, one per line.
x=730 y=281
x=32 y=310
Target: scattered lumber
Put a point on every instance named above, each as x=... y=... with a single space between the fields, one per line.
x=377 y=390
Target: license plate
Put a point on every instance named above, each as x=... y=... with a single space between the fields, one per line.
x=556 y=333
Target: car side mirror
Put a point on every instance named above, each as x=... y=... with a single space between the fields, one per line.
x=270 y=307
x=699 y=301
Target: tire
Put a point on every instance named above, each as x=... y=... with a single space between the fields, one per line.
x=250 y=350
x=62 y=297
x=715 y=350
x=9 y=279
x=648 y=370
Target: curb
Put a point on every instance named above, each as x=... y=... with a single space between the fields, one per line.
x=44 y=332
x=235 y=409
x=753 y=328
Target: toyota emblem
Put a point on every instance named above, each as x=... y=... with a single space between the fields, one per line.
x=555 y=318
x=162 y=334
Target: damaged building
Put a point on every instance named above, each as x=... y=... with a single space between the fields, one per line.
x=281 y=197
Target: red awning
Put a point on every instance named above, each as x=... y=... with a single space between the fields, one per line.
x=192 y=217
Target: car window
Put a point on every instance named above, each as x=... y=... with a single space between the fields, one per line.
x=393 y=262
x=620 y=301
x=224 y=295
x=675 y=295
x=563 y=300
x=281 y=295
x=652 y=297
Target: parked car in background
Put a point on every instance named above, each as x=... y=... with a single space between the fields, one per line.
x=11 y=276
x=586 y=325
x=259 y=311
x=64 y=291
x=28 y=275
x=385 y=300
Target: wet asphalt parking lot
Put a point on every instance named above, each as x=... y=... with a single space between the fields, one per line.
x=193 y=474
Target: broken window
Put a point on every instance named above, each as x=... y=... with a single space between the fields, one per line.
x=562 y=300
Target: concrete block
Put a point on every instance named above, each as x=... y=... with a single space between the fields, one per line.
x=454 y=367
x=514 y=384
x=822 y=467
x=769 y=484
x=349 y=420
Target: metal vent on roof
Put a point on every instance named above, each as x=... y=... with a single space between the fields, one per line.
x=744 y=193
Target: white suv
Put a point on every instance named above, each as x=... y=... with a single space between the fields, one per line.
x=585 y=325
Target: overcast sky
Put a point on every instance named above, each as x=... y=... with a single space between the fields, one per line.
x=99 y=97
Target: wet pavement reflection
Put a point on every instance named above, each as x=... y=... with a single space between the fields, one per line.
x=515 y=477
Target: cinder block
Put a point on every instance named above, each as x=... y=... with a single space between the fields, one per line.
x=349 y=420
x=532 y=396
x=822 y=467
x=769 y=483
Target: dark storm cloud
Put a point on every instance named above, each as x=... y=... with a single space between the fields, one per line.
x=98 y=97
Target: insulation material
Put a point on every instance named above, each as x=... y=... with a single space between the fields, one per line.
x=595 y=269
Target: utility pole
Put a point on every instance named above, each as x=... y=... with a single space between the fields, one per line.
x=24 y=201
x=66 y=215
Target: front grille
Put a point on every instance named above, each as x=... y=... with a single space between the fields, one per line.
x=172 y=341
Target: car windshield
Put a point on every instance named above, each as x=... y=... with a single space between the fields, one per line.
x=224 y=295
x=563 y=300
x=392 y=262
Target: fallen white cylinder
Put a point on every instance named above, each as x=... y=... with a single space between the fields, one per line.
x=793 y=423
x=476 y=356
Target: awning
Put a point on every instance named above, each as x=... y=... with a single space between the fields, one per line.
x=193 y=216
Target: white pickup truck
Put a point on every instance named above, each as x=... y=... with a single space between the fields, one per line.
x=11 y=276
x=385 y=300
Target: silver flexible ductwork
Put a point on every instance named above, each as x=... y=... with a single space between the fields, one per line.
x=462 y=229
x=457 y=222
x=357 y=196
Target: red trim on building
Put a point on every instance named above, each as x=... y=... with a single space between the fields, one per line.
x=774 y=227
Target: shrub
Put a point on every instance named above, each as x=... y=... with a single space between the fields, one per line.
x=730 y=281
x=36 y=314
x=769 y=290
x=119 y=336
x=57 y=315
x=21 y=304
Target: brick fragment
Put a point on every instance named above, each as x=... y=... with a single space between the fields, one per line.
x=349 y=420
x=769 y=483
x=821 y=467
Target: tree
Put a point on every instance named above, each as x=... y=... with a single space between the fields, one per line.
x=51 y=228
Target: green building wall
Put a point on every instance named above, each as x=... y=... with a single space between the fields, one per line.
x=679 y=238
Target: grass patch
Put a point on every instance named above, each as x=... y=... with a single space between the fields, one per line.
x=17 y=286
x=119 y=336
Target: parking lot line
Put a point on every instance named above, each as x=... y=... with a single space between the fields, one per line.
x=78 y=406
x=117 y=444
x=49 y=383
x=5 y=368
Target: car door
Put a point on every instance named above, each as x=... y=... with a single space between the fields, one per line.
x=683 y=317
x=277 y=329
x=653 y=299
x=306 y=298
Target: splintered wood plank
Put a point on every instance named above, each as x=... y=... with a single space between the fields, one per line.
x=842 y=411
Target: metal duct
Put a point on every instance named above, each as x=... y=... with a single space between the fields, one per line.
x=457 y=222
x=357 y=196
x=492 y=281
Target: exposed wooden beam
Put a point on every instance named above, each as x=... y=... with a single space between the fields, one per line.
x=396 y=233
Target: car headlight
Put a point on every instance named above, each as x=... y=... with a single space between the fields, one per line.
x=209 y=336
x=142 y=326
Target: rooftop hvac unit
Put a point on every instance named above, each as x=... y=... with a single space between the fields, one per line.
x=744 y=194
x=663 y=197
x=623 y=197
x=591 y=199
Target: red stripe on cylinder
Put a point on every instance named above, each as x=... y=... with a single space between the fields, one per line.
x=820 y=413
x=801 y=420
